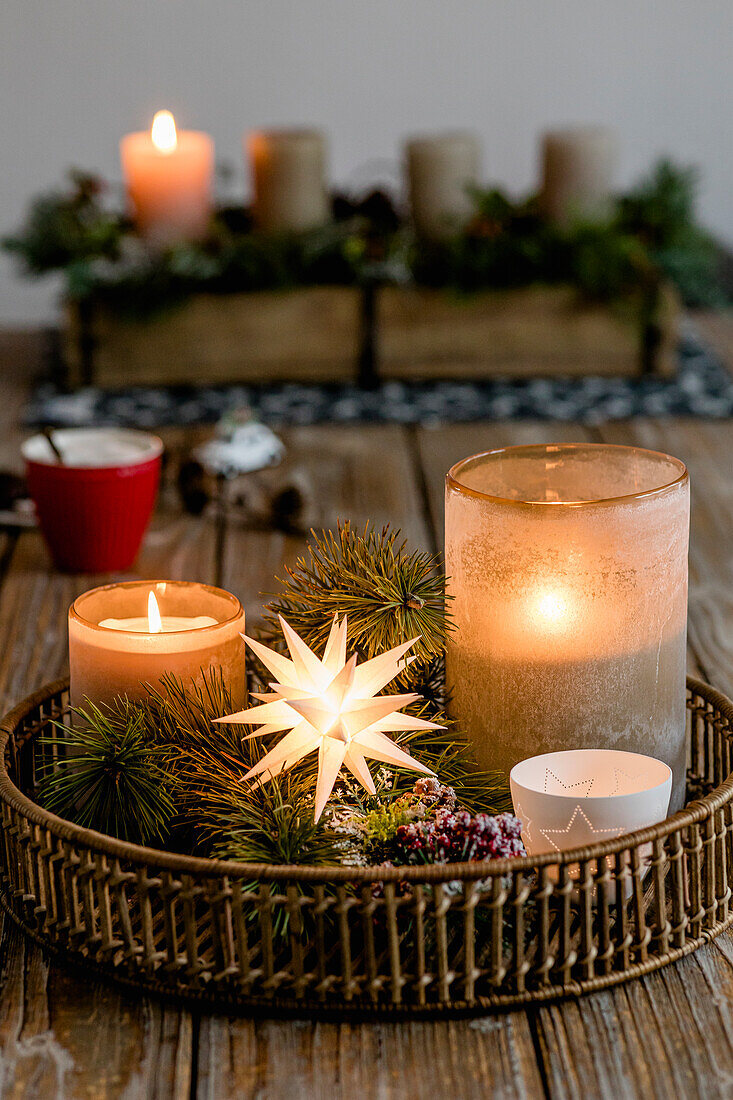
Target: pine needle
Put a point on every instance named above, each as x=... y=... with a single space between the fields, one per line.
x=388 y=593
x=256 y=822
x=113 y=777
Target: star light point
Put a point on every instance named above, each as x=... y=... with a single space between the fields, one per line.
x=332 y=705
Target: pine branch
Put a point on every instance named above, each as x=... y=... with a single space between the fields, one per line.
x=256 y=822
x=389 y=594
x=114 y=777
x=135 y=770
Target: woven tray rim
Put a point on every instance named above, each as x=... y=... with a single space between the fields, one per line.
x=338 y=1011
x=694 y=812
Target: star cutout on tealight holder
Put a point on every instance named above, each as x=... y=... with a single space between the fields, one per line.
x=586 y=785
x=561 y=786
x=614 y=830
x=526 y=824
x=331 y=705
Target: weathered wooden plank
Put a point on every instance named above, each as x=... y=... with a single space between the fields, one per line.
x=664 y=1036
x=310 y=334
x=363 y=473
x=527 y=332
x=359 y=474
x=470 y=1059
x=65 y=1037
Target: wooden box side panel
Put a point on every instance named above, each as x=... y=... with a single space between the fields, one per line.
x=304 y=335
x=517 y=333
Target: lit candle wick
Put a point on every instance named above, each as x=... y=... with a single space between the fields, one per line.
x=154 y=623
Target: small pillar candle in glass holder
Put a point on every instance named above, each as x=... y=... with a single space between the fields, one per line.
x=568 y=568
x=168 y=176
x=124 y=636
x=290 y=193
x=441 y=170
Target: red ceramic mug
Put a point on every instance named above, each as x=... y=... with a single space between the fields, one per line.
x=94 y=508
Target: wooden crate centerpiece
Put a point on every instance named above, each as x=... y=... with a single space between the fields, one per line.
x=540 y=330
x=305 y=335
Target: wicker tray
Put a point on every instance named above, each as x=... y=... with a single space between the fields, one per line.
x=369 y=941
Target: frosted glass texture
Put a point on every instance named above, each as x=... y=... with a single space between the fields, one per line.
x=568 y=568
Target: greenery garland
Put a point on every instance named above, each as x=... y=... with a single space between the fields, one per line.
x=650 y=235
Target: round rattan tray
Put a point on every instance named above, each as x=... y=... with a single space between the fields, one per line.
x=369 y=941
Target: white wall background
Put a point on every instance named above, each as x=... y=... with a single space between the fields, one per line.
x=76 y=74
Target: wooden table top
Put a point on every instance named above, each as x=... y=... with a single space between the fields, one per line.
x=667 y=1035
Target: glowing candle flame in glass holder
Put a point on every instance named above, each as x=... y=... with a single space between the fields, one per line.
x=567 y=565
x=123 y=637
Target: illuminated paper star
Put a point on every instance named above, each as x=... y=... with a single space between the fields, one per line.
x=332 y=705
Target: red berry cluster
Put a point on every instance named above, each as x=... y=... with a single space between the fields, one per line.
x=457 y=837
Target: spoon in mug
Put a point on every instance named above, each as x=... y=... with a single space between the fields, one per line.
x=48 y=433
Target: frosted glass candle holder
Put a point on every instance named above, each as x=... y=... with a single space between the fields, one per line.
x=572 y=799
x=113 y=650
x=568 y=569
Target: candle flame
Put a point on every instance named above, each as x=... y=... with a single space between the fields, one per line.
x=154 y=623
x=163 y=133
x=551 y=608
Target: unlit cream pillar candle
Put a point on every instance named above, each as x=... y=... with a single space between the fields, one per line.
x=578 y=167
x=441 y=171
x=168 y=175
x=290 y=192
x=124 y=636
x=568 y=568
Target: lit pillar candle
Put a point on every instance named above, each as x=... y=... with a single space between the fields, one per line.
x=168 y=176
x=290 y=193
x=568 y=568
x=124 y=636
x=578 y=167
x=441 y=170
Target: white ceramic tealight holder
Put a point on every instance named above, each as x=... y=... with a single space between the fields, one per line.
x=584 y=796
